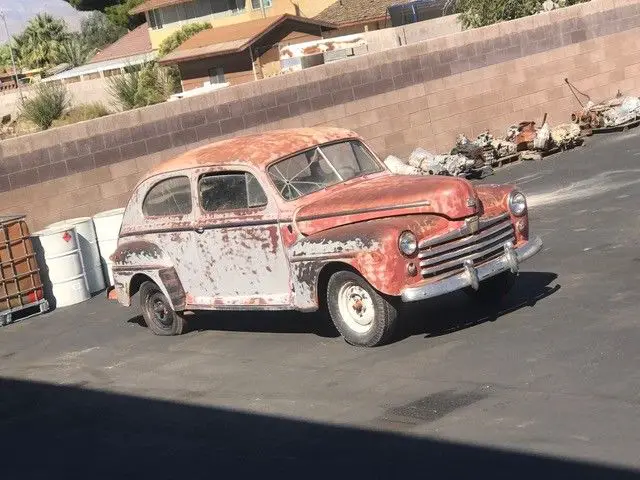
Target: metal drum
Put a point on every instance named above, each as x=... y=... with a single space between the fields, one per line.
x=107 y=230
x=88 y=249
x=61 y=250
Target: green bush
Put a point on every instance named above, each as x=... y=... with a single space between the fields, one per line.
x=146 y=86
x=123 y=88
x=172 y=42
x=479 y=13
x=88 y=111
x=177 y=38
x=47 y=104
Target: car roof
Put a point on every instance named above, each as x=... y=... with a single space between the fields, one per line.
x=258 y=150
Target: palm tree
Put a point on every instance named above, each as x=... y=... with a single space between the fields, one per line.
x=74 y=51
x=38 y=45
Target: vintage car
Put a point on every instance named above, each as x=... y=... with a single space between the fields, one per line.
x=304 y=219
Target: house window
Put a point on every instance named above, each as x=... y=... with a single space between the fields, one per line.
x=258 y=4
x=216 y=75
x=170 y=14
x=155 y=19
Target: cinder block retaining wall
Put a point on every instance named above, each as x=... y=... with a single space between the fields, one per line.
x=422 y=94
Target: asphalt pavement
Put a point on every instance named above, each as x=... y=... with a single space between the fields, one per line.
x=546 y=383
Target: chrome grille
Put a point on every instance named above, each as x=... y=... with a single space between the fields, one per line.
x=446 y=254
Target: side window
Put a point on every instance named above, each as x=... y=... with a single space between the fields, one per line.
x=168 y=197
x=230 y=191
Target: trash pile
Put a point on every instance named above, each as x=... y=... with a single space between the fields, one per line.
x=475 y=158
x=422 y=162
x=526 y=141
x=614 y=112
x=470 y=159
x=566 y=135
x=485 y=146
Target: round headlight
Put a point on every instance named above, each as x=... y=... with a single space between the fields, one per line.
x=408 y=243
x=517 y=203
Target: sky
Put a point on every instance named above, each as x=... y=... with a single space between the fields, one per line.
x=20 y=11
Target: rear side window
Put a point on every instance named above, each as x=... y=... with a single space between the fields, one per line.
x=168 y=197
x=230 y=191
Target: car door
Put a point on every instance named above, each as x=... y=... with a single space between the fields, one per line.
x=168 y=210
x=238 y=237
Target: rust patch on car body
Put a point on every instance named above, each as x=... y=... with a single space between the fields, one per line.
x=273 y=256
x=258 y=150
x=137 y=252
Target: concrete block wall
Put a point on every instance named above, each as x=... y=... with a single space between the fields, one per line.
x=88 y=91
x=422 y=94
x=388 y=38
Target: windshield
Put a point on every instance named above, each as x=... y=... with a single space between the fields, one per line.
x=322 y=167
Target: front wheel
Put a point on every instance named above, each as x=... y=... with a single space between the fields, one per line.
x=493 y=289
x=157 y=312
x=363 y=316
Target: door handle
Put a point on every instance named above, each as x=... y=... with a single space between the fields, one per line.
x=200 y=230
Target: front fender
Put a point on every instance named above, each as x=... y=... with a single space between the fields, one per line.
x=369 y=247
x=493 y=202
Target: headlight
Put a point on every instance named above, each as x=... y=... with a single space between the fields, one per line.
x=517 y=203
x=408 y=243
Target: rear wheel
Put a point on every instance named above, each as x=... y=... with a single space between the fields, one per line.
x=363 y=316
x=157 y=312
x=493 y=289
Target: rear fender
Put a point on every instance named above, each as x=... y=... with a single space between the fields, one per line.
x=140 y=260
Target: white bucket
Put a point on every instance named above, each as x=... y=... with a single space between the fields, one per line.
x=64 y=264
x=107 y=226
x=88 y=249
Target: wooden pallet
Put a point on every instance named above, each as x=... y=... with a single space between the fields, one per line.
x=499 y=162
x=618 y=128
x=21 y=313
x=551 y=151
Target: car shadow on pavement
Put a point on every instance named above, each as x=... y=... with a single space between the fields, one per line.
x=317 y=323
x=434 y=317
x=56 y=431
x=456 y=311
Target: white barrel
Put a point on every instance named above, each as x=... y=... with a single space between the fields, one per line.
x=107 y=230
x=66 y=273
x=88 y=249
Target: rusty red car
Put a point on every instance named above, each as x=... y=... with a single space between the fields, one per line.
x=308 y=219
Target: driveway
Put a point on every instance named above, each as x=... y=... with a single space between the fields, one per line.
x=547 y=383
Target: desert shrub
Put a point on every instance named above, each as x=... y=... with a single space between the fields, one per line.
x=47 y=104
x=177 y=38
x=87 y=111
x=140 y=88
x=479 y=13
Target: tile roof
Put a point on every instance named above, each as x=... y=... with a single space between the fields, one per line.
x=237 y=37
x=153 y=4
x=136 y=42
x=356 y=11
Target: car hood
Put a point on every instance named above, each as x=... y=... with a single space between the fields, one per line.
x=387 y=196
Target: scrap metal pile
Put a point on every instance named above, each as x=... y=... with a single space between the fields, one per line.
x=615 y=112
x=525 y=141
x=476 y=158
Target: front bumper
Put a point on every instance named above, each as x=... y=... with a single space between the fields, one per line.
x=472 y=275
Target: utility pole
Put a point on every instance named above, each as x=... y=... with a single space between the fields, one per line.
x=13 y=60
